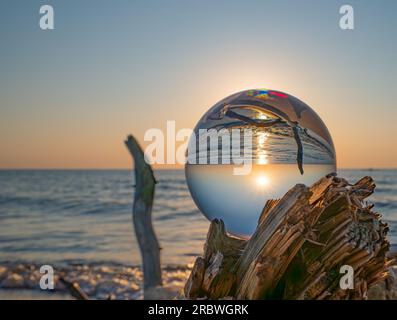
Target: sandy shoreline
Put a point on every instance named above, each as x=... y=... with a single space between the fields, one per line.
x=20 y=281
x=98 y=281
x=26 y=294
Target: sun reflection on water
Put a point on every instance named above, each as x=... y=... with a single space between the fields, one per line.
x=262 y=155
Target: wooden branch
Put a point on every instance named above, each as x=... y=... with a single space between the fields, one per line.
x=74 y=289
x=211 y=275
x=270 y=237
x=300 y=243
x=142 y=216
x=193 y=285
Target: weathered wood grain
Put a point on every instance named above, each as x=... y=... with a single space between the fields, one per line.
x=300 y=243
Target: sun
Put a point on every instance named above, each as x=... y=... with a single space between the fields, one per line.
x=262 y=180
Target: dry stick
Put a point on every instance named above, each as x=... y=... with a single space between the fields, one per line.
x=142 y=216
x=74 y=289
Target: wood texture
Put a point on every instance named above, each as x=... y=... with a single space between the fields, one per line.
x=300 y=243
x=74 y=289
x=142 y=216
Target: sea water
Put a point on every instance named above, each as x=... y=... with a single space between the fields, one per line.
x=60 y=216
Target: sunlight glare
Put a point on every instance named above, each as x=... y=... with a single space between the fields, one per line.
x=262 y=180
x=262 y=159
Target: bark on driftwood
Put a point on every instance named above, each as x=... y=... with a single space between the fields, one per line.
x=142 y=217
x=297 y=250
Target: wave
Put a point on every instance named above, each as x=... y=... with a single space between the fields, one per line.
x=61 y=216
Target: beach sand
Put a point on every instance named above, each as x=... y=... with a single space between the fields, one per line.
x=111 y=281
x=98 y=281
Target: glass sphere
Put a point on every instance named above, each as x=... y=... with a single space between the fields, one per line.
x=251 y=147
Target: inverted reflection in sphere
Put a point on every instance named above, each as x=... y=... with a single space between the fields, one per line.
x=289 y=144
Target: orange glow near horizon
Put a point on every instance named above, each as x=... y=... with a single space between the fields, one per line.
x=39 y=151
x=74 y=138
x=68 y=98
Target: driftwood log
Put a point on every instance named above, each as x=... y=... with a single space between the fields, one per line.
x=296 y=252
x=142 y=218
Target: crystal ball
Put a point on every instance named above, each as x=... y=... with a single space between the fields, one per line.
x=254 y=146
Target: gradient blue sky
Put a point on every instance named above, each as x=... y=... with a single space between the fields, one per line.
x=68 y=97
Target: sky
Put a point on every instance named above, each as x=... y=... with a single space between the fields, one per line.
x=69 y=96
